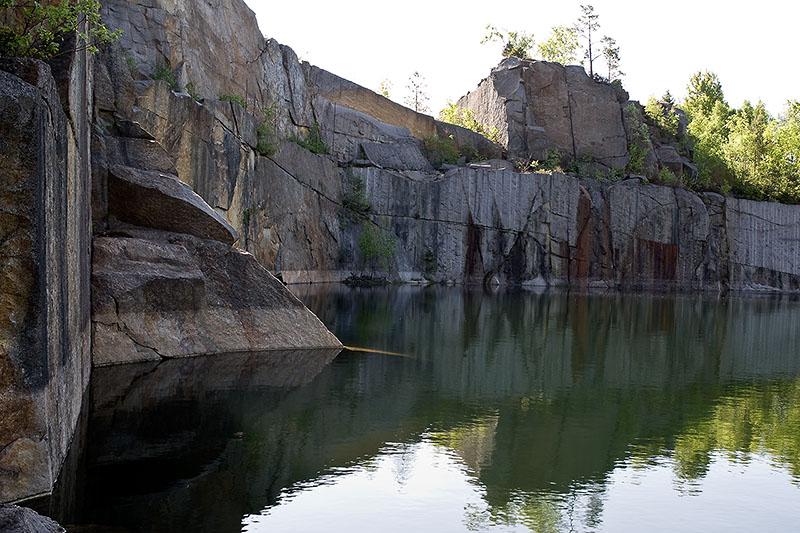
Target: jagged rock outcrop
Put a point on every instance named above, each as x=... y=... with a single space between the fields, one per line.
x=540 y=108
x=44 y=280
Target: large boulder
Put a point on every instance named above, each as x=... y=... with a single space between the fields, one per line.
x=528 y=101
x=160 y=201
x=157 y=294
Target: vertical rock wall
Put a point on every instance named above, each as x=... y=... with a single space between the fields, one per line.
x=44 y=286
x=477 y=225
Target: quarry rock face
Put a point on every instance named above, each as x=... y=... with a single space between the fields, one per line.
x=44 y=281
x=476 y=224
x=166 y=182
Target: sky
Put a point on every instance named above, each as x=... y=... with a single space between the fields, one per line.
x=754 y=51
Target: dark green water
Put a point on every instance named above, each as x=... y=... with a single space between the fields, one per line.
x=505 y=412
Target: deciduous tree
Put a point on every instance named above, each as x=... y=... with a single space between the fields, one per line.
x=515 y=44
x=561 y=46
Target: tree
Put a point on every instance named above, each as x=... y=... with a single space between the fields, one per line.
x=36 y=29
x=703 y=94
x=611 y=54
x=561 y=46
x=587 y=25
x=384 y=88
x=515 y=44
x=418 y=93
x=746 y=148
x=709 y=116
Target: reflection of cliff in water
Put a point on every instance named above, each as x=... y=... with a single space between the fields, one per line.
x=578 y=381
x=536 y=392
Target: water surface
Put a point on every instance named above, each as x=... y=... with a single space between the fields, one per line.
x=493 y=412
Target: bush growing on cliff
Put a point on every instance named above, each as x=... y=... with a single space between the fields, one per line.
x=163 y=72
x=267 y=133
x=662 y=115
x=235 y=98
x=313 y=141
x=639 y=138
x=355 y=199
x=441 y=151
x=453 y=114
x=35 y=29
x=376 y=246
x=191 y=90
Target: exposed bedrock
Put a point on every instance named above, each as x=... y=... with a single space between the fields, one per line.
x=487 y=226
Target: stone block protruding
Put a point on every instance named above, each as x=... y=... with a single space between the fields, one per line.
x=161 y=201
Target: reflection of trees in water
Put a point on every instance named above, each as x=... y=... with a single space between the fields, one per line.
x=746 y=421
x=571 y=386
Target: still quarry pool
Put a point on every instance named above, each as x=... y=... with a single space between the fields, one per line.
x=467 y=411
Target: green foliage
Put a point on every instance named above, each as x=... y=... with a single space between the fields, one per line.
x=704 y=93
x=561 y=46
x=313 y=141
x=452 y=114
x=554 y=162
x=129 y=60
x=662 y=115
x=163 y=71
x=441 y=151
x=355 y=197
x=191 y=90
x=267 y=133
x=515 y=44
x=384 y=88
x=430 y=264
x=235 y=98
x=247 y=215
x=376 y=246
x=745 y=151
x=709 y=116
x=611 y=55
x=36 y=29
x=639 y=138
x=667 y=177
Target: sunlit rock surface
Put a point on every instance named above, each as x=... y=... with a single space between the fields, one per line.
x=158 y=295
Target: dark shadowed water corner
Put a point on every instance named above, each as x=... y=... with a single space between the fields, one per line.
x=508 y=411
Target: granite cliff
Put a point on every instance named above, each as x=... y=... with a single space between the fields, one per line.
x=173 y=201
x=379 y=205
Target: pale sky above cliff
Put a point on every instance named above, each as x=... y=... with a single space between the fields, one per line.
x=753 y=51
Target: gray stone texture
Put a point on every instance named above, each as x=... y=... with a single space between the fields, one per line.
x=173 y=295
x=539 y=106
x=157 y=200
x=487 y=226
x=16 y=519
x=44 y=281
